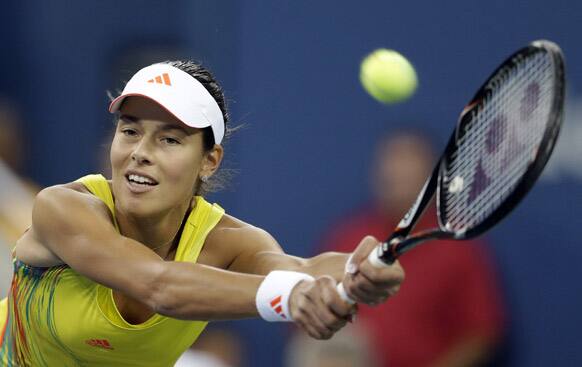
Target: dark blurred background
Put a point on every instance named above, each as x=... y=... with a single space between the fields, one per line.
x=290 y=71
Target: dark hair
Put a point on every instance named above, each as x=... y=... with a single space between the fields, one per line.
x=205 y=77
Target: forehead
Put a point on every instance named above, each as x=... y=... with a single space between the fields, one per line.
x=145 y=109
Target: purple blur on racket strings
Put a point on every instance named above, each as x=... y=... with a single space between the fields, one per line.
x=502 y=145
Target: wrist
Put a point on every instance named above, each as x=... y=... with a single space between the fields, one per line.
x=272 y=299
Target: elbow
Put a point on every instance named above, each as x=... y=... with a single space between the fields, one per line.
x=155 y=291
x=166 y=290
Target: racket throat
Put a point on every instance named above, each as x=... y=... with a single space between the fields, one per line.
x=399 y=245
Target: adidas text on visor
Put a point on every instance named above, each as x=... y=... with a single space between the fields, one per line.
x=179 y=93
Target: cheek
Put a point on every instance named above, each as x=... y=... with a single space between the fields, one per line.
x=183 y=170
x=116 y=154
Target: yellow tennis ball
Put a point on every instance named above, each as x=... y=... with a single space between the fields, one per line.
x=388 y=76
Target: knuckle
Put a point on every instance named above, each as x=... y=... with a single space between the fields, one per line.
x=351 y=288
x=340 y=323
x=317 y=334
x=330 y=321
x=302 y=305
x=399 y=272
x=310 y=286
x=326 y=335
x=313 y=335
x=324 y=283
x=375 y=276
x=327 y=280
x=301 y=293
x=313 y=289
x=370 y=238
x=401 y=275
x=299 y=320
x=328 y=303
x=330 y=297
x=392 y=291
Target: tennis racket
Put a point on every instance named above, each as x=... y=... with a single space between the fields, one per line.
x=503 y=139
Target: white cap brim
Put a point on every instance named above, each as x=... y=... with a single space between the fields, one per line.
x=179 y=93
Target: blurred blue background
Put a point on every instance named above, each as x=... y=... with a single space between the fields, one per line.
x=290 y=71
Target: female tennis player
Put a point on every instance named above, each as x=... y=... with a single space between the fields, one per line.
x=127 y=271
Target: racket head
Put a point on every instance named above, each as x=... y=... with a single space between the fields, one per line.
x=502 y=142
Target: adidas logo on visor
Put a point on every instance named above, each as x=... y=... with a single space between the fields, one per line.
x=161 y=79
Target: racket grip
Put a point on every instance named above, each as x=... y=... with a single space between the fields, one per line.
x=342 y=293
x=375 y=260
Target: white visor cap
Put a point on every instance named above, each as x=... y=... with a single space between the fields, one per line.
x=179 y=93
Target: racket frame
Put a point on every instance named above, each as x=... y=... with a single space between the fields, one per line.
x=400 y=241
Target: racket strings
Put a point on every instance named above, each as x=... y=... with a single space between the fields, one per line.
x=499 y=142
x=481 y=178
x=483 y=182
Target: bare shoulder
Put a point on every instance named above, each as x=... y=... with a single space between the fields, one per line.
x=232 y=228
x=75 y=186
x=66 y=206
x=50 y=204
x=232 y=238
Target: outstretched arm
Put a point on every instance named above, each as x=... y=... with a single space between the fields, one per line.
x=77 y=229
x=365 y=284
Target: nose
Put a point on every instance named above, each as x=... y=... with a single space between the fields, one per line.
x=142 y=153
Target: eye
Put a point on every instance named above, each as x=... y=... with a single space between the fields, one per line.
x=129 y=132
x=170 y=141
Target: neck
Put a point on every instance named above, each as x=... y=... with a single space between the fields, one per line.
x=159 y=232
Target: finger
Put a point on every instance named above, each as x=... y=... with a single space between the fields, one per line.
x=308 y=328
x=383 y=277
x=306 y=309
x=341 y=291
x=325 y=314
x=364 y=291
x=362 y=282
x=306 y=319
x=316 y=320
x=333 y=311
x=380 y=301
x=369 y=298
x=336 y=303
x=367 y=244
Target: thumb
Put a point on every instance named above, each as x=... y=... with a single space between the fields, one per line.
x=361 y=253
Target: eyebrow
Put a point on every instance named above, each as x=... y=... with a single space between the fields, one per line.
x=166 y=127
x=128 y=118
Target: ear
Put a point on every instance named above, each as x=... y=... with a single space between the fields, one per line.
x=211 y=161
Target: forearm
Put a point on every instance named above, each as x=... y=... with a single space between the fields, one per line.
x=198 y=292
x=328 y=263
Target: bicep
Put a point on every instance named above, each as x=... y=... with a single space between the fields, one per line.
x=77 y=228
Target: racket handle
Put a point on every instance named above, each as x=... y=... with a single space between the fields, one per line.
x=374 y=258
x=342 y=293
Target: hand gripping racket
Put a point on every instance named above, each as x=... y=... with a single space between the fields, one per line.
x=502 y=141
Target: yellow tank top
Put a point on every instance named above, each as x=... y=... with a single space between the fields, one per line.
x=56 y=317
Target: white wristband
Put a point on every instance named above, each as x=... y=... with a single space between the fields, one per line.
x=273 y=295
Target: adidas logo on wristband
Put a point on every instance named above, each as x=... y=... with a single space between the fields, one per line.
x=278 y=307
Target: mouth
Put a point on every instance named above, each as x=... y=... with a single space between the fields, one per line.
x=139 y=182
